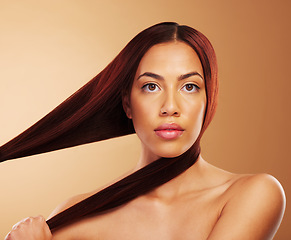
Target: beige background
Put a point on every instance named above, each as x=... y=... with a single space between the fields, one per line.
x=48 y=49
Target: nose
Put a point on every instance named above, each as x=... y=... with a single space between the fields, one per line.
x=170 y=105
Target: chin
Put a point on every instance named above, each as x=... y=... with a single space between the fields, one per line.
x=166 y=149
x=171 y=154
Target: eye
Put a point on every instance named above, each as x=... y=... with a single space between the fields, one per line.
x=190 y=87
x=150 y=87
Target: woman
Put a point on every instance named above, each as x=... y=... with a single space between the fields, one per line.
x=163 y=86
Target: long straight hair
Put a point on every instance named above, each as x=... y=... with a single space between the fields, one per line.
x=95 y=113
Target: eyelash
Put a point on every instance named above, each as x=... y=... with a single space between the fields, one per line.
x=195 y=87
x=157 y=88
x=146 y=87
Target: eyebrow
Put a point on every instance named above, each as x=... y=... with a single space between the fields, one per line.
x=181 y=77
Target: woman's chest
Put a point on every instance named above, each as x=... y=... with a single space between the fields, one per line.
x=139 y=220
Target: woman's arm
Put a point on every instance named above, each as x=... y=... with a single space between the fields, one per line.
x=32 y=228
x=254 y=211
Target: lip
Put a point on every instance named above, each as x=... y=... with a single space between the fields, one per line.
x=169 y=131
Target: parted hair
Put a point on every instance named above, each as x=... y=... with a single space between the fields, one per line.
x=95 y=113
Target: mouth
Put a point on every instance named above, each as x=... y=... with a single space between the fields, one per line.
x=169 y=131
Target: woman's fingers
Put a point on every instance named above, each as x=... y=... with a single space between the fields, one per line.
x=31 y=228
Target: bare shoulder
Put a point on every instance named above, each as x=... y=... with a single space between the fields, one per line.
x=263 y=181
x=69 y=202
x=254 y=208
x=78 y=198
x=77 y=230
x=70 y=232
x=257 y=187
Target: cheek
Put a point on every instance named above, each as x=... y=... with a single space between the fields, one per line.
x=141 y=113
x=197 y=121
x=143 y=108
x=198 y=112
x=194 y=112
x=145 y=118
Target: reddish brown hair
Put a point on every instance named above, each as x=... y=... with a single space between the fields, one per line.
x=95 y=113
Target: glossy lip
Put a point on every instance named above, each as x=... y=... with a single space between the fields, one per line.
x=169 y=131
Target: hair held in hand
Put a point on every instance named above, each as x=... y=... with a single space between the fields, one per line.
x=95 y=113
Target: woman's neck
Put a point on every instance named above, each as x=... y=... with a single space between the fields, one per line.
x=178 y=186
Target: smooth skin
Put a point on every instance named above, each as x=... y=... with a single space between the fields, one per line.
x=202 y=203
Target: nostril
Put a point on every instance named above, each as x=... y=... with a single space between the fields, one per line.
x=170 y=113
x=163 y=112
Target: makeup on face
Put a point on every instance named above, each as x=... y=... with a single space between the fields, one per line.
x=168 y=99
x=169 y=131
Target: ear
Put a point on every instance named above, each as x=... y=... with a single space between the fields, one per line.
x=126 y=105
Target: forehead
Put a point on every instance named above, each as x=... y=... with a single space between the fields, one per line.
x=172 y=57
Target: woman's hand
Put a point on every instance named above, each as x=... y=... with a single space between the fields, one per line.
x=32 y=228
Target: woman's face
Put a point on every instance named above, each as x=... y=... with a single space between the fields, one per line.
x=167 y=101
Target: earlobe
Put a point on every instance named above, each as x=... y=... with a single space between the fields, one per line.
x=128 y=113
x=126 y=106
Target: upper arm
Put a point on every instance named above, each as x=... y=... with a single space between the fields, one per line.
x=66 y=233
x=254 y=211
